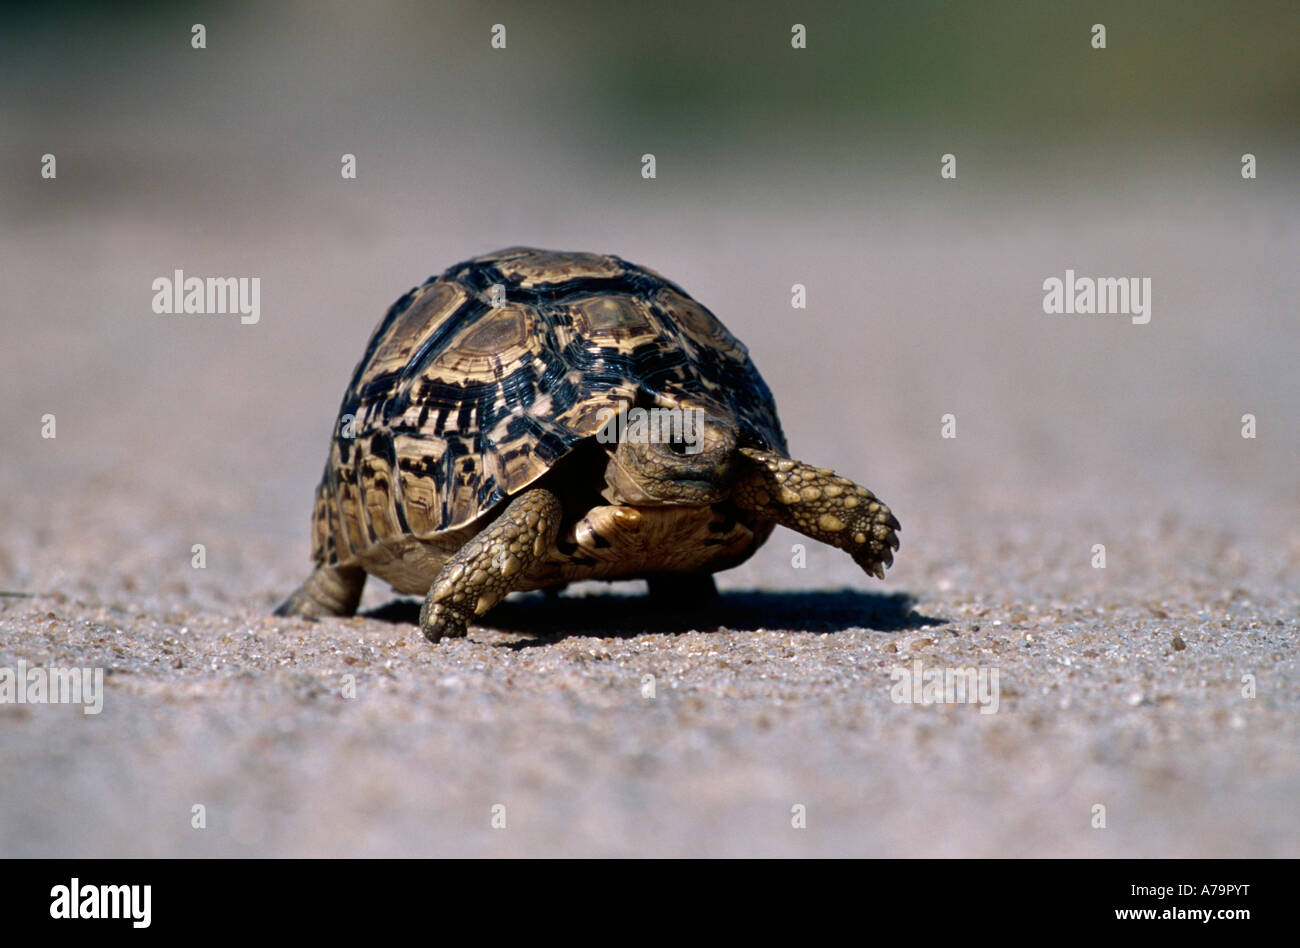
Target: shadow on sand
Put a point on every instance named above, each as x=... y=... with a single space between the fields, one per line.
x=549 y=619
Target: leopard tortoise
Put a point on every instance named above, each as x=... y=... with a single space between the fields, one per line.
x=530 y=418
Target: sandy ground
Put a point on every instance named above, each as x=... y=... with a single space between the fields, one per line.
x=1121 y=687
x=1163 y=687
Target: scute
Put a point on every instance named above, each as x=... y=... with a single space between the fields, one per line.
x=498 y=331
x=497 y=343
x=614 y=319
x=462 y=399
x=699 y=324
x=407 y=329
x=543 y=267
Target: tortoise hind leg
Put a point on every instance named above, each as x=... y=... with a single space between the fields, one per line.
x=328 y=591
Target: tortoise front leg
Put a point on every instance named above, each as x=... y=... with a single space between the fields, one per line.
x=486 y=568
x=820 y=504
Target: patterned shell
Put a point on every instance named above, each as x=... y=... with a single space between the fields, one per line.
x=465 y=395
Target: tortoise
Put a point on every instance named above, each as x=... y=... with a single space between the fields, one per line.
x=531 y=417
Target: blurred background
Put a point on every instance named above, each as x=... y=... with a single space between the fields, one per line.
x=775 y=166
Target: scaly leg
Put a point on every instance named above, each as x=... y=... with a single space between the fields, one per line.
x=328 y=591
x=485 y=569
x=820 y=504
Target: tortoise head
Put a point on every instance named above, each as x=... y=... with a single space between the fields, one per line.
x=670 y=454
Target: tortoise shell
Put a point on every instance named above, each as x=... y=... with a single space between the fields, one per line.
x=478 y=381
